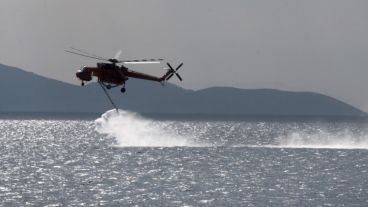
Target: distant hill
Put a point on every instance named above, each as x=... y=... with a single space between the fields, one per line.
x=23 y=91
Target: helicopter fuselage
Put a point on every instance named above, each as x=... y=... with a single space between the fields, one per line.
x=110 y=73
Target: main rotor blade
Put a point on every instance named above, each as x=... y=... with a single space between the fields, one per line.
x=97 y=58
x=140 y=62
x=154 y=60
x=87 y=53
x=117 y=55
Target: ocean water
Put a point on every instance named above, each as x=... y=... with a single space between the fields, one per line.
x=124 y=159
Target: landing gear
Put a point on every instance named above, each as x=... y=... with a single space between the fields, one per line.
x=108 y=86
x=82 y=84
x=123 y=88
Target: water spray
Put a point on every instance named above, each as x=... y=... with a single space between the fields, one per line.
x=132 y=130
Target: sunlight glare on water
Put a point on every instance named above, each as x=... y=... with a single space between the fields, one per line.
x=232 y=163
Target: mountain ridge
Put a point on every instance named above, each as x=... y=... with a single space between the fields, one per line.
x=34 y=93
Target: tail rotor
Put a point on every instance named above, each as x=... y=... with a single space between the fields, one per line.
x=173 y=71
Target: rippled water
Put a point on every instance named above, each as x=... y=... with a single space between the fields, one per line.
x=124 y=159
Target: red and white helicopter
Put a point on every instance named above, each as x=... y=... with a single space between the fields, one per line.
x=109 y=74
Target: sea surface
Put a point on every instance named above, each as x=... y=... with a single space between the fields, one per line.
x=124 y=159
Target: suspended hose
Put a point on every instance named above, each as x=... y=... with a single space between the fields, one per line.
x=108 y=96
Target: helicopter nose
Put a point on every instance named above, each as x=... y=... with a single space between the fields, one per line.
x=84 y=74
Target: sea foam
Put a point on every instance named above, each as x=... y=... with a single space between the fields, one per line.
x=344 y=139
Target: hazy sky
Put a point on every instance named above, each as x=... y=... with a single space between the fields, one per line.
x=297 y=45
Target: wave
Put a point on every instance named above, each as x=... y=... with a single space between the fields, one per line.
x=320 y=140
x=339 y=140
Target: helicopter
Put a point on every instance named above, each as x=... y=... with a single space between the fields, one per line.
x=110 y=75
